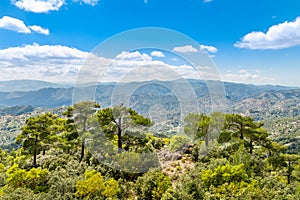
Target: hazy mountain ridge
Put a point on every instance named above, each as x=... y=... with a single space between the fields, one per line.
x=55 y=97
x=26 y=85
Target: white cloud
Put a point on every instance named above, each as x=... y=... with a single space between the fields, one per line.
x=157 y=54
x=88 y=2
x=136 y=56
x=28 y=52
x=185 y=49
x=13 y=24
x=19 y=26
x=42 y=62
x=39 y=29
x=38 y=6
x=136 y=66
x=279 y=36
x=58 y=63
x=245 y=76
x=45 y=6
x=191 y=49
x=210 y=49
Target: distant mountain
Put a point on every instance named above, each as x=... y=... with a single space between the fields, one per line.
x=47 y=97
x=16 y=110
x=26 y=85
x=273 y=105
x=270 y=104
x=147 y=93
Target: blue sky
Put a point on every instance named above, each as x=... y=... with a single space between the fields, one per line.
x=250 y=41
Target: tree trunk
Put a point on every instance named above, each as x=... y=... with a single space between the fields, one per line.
x=251 y=147
x=84 y=125
x=119 y=139
x=119 y=125
x=289 y=172
x=241 y=131
x=35 y=151
x=206 y=139
x=82 y=151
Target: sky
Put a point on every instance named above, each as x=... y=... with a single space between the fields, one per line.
x=248 y=41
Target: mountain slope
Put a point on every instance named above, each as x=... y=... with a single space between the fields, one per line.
x=150 y=91
x=25 y=85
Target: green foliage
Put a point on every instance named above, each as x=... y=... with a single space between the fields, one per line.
x=35 y=179
x=118 y=119
x=197 y=126
x=177 y=142
x=152 y=185
x=243 y=164
x=224 y=174
x=111 y=189
x=93 y=186
x=189 y=186
x=39 y=134
x=246 y=130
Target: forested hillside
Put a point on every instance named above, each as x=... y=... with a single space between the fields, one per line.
x=55 y=96
x=91 y=152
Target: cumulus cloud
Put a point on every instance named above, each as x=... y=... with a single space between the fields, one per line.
x=279 y=36
x=58 y=63
x=38 y=6
x=136 y=55
x=245 y=76
x=137 y=66
x=88 y=2
x=185 y=49
x=210 y=49
x=45 y=6
x=43 y=62
x=157 y=54
x=13 y=24
x=39 y=29
x=191 y=49
x=19 y=26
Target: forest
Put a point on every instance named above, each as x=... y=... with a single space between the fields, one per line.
x=91 y=152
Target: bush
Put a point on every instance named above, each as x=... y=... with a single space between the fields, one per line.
x=152 y=185
x=177 y=142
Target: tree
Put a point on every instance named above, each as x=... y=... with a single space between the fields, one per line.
x=177 y=142
x=197 y=126
x=238 y=124
x=290 y=162
x=117 y=119
x=246 y=130
x=70 y=136
x=79 y=114
x=39 y=133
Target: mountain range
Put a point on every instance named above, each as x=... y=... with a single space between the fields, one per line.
x=277 y=106
x=50 y=95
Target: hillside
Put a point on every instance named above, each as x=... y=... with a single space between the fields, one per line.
x=54 y=97
x=25 y=85
x=270 y=104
